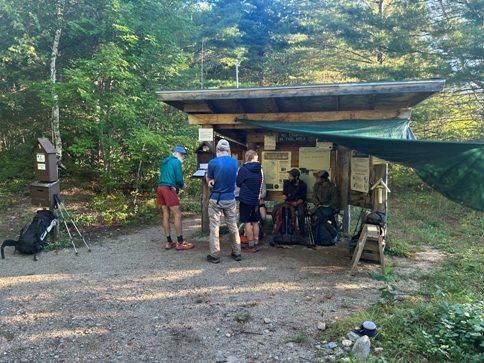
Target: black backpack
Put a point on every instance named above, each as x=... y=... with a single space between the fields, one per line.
x=33 y=239
x=377 y=218
x=326 y=232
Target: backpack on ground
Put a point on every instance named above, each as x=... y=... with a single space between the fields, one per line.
x=285 y=229
x=33 y=239
x=326 y=232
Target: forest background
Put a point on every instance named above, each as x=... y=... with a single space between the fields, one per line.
x=84 y=74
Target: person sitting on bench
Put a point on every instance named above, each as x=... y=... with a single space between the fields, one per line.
x=324 y=193
x=294 y=192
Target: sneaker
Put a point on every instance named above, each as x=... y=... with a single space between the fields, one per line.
x=250 y=249
x=212 y=259
x=184 y=246
x=236 y=257
x=170 y=245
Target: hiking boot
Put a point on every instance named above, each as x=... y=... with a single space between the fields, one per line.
x=212 y=259
x=236 y=256
x=184 y=246
x=170 y=245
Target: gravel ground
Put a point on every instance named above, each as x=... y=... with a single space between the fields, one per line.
x=129 y=300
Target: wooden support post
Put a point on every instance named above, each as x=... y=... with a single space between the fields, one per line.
x=345 y=186
x=205 y=198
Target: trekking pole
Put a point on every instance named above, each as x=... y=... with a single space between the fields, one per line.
x=310 y=228
x=60 y=206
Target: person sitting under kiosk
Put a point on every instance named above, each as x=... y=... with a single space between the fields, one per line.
x=294 y=192
x=324 y=192
x=325 y=198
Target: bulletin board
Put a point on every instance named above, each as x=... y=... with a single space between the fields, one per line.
x=314 y=158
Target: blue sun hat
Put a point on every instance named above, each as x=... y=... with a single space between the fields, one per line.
x=179 y=149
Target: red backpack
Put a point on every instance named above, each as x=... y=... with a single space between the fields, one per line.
x=285 y=220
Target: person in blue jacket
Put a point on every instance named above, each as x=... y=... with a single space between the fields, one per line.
x=250 y=179
x=171 y=181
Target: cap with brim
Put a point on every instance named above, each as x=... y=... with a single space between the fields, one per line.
x=179 y=149
x=223 y=145
x=323 y=174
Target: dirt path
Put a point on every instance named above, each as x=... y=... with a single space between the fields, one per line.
x=129 y=300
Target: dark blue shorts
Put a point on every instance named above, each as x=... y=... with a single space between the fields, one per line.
x=248 y=213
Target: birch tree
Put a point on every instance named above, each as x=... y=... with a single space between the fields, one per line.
x=56 y=135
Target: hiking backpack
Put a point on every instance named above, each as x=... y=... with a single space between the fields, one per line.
x=375 y=218
x=33 y=239
x=326 y=232
x=285 y=230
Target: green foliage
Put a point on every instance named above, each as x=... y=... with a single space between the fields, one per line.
x=243 y=316
x=301 y=338
x=397 y=247
x=62 y=242
x=389 y=292
x=458 y=333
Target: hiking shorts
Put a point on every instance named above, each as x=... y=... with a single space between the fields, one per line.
x=248 y=213
x=167 y=196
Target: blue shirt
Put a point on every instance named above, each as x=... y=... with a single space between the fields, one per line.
x=223 y=171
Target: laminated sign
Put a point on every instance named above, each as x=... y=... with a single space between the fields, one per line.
x=360 y=172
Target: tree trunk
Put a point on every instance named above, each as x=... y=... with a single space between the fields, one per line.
x=56 y=136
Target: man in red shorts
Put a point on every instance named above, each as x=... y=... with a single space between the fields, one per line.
x=171 y=181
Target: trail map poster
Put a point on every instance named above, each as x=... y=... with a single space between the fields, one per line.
x=360 y=172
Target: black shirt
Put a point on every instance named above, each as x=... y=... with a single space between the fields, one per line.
x=293 y=192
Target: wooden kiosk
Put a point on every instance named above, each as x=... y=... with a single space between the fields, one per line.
x=223 y=111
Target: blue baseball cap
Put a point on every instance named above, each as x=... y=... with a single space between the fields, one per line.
x=179 y=149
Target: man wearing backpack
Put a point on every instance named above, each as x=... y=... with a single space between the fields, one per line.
x=221 y=175
x=294 y=192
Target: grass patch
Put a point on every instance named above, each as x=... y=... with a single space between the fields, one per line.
x=443 y=322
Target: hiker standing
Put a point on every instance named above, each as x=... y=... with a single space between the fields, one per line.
x=249 y=180
x=294 y=192
x=171 y=180
x=221 y=175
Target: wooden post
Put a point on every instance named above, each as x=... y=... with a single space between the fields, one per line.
x=345 y=186
x=205 y=198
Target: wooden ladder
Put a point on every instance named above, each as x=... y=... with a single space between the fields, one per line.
x=370 y=247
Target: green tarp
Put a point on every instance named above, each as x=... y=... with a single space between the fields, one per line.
x=454 y=169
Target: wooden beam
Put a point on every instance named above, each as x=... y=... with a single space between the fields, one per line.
x=200 y=107
x=210 y=119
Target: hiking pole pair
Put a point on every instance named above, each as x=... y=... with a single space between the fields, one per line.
x=309 y=224
x=60 y=206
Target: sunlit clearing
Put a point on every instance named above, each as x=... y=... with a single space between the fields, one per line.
x=10 y=281
x=245 y=269
x=222 y=290
x=173 y=276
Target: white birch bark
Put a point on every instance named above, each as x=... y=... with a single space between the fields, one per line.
x=56 y=136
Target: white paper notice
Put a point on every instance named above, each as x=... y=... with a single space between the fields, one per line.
x=360 y=172
x=205 y=134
